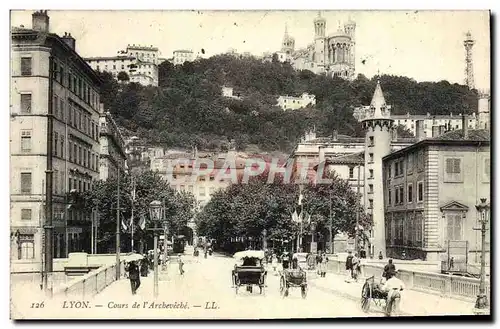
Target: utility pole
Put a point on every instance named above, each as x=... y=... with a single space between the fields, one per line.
x=132 y=220
x=331 y=224
x=356 y=237
x=92 y=232
x=48 y=179
x=118 y=229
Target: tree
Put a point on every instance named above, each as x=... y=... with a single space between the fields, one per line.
x=149 y=187
x=123 y=76
x=404 y=132
x=243 y=211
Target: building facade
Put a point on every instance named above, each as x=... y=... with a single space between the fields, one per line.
x=294 y=103
x=332 y=54
x=181 y=56
x=431 y=189
x=51 y=85
x=112 y=155
x=139 y=62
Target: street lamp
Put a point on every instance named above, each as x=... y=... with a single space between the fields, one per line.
x=313 y=229
x=482 y=305
x=156 y=215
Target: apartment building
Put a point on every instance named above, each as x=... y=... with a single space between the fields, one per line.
x=112 y=155
x=431 y=189
x=51 y=86
x=181 y=56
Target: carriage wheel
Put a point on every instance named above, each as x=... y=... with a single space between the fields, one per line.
x=304 y=291
x=365 y=297
x=282 y=286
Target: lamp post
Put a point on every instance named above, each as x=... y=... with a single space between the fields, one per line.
x=313 y=232
x=155 y=213
x=482 y=305
x=264 y=239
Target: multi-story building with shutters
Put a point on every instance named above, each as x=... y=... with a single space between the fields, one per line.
x=51 y=87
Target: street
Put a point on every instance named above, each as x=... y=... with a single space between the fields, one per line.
x=209 y=281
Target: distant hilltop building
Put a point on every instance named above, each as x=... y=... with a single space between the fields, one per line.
x=228 y=92
x=140 y=63
x=332 y=54
x=181 y=56
x=446 y=122
x=294 y=103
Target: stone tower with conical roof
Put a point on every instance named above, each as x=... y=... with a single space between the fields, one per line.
x=288 y=44
x=378 y=127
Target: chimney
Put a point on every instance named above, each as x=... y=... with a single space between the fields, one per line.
x=394 y=135
x=420 y=133
x=442 y=129
x=40 y=21
x=335 y=135
x=69 y=40
x=465 y=126
x=435 y=131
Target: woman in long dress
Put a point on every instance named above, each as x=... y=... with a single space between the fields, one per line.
x=274 y=262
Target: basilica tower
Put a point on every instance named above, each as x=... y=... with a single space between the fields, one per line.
x=378 y=127
x=288 y=44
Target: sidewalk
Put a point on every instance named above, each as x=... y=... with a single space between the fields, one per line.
x=413 y=303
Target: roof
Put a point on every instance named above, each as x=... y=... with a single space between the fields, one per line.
x=108 y=58
x=454 y=137
x=42 y=37
x=458 y=134
x=182 y=51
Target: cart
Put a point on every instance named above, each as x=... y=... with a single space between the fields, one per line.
x=251 y=273
x=293 y=278
x=371 y=292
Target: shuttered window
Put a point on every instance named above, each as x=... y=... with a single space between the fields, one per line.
x=26 y=183
x=25 y=103
x=25 y=66
x=453 y=227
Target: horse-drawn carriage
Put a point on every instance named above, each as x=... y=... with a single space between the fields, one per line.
x=373 y=291
x=251 y=272
x=293 y=278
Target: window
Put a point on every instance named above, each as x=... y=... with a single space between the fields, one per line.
x=370 y=188
x=56 y=141
x=61 y=108
x=410 y=193
x=371 y=173
x=396 y=168
x=25 y=66
x=410 y=163
x=27 y=246
x=75 y=150
x=371 y=141
x=396 y=195
x=420 y=161
x=62 y=146
x=351 y=172
x=371 y=157
x=25 y=103
x=26 y=141
x=202 y=178
x=190 y=188
x=26 y=183
x=370 y=206
x=212 y=178
x=25 y=214
x=453 y=172
x=401 y=195
x=389 y=200
x=202 y=191
x=453 y=226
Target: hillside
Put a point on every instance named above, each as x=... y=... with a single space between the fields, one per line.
x=188 y=108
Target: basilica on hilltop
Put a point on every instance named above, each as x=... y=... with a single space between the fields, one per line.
x=332 y=54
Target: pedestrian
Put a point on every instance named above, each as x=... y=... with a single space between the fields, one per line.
x=393 y=286
x=144 y=266
x=380 y=256
x=133 y=275
x=323 y=265
x=181 y=265
x=317 y=262
x=274 y=262
x=389 y=270
x=285 y=260
x=356 y=267
x=348 y=266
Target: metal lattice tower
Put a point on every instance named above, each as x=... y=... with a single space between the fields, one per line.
x=469 y=69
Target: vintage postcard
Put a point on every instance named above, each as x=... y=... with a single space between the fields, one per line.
x=249 y=164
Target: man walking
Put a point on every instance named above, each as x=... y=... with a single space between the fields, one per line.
x=348 y=266
x=133 y=275
x=389 y=270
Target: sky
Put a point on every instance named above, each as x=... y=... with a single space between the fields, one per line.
x=423 y=45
